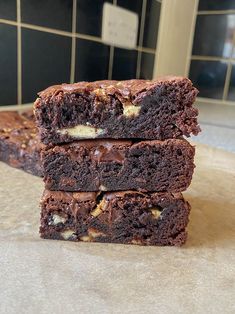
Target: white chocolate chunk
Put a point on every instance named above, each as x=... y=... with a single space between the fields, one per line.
x=67 y=234
x=98 y=210
x=155 y=212
x=137 y=242
x=99 y=92
x=131 y=110
x=94 y=233
x=102 y=188
x=56 y=219
x=85 y=239
x=82 y=131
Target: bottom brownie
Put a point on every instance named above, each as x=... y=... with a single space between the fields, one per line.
x=20 y=146
x=128 y=217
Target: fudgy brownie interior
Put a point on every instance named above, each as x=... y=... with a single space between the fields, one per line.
x=112 y=109
x=119 y=165
x=121 y=217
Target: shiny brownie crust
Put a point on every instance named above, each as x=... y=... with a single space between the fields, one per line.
x=143 y=109
x=119 y=165
x=128 y=217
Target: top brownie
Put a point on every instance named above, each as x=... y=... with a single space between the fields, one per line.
x=144 y=109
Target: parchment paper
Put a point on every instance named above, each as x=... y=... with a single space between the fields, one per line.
x=45 y=276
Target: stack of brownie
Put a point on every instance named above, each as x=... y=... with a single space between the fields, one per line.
x=115 y=160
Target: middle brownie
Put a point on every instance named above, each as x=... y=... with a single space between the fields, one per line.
x=112 y=165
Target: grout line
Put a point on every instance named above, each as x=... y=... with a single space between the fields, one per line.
x=214 y=101
x=19 y=55
x=139 y=56
x=16 y=107
x=46 y=29
x=73 y=46
x=89 y=37
x=51 y=30
x=217 y=125
x=210 y=58
x=145 y=49
x=111 y=54
x=67 y=34
x=227 y=81
x=215 y=12
x=9 y=22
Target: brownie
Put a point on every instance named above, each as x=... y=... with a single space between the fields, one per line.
x=28 y=114
x=144 y=109
x=20 y=146
x=128 y=217
x=112 y=165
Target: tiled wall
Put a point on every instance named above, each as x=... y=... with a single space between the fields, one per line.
x=52 y=41
x=213 y=57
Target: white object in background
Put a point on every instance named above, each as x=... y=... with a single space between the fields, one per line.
x=119 y=26
x=175 y=37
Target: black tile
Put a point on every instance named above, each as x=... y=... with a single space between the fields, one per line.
x=216 y=5
x=8 y=64
x=134 y=6
x=124 y=64
x=151 y=25
x=147 y=65
x=45 y=61
x=8 y=9
x=48 y=13
x=92 y=61
x=208 y=77
x=213 y=35
x=231 y=91
x=89 y=16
